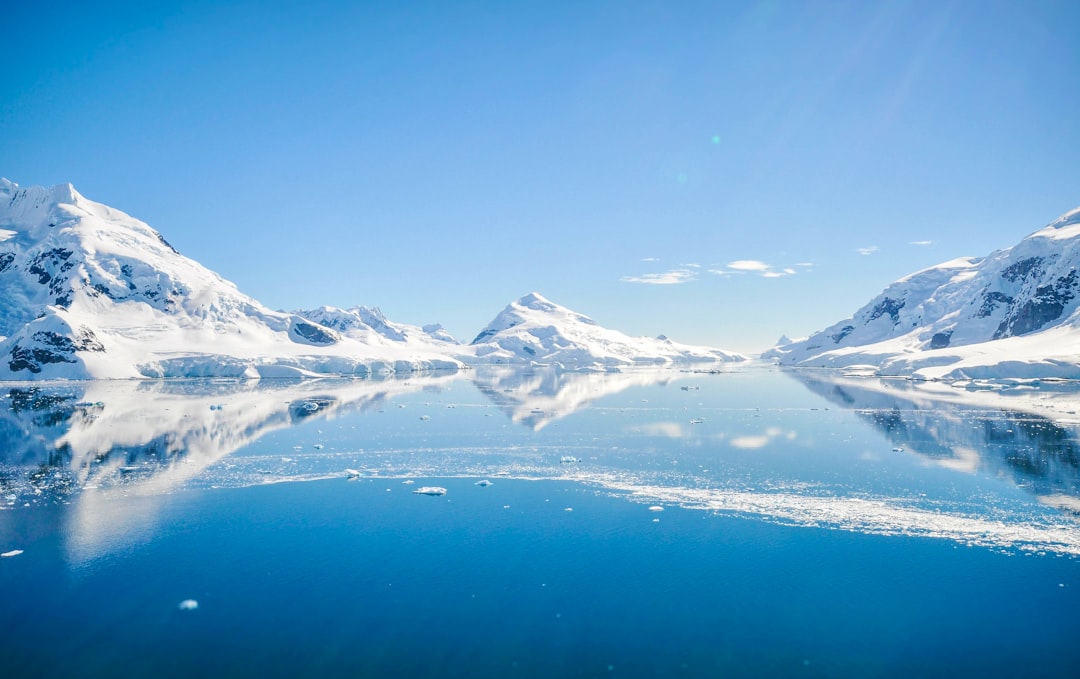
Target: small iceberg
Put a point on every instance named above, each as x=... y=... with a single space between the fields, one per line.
x=14 y=552
x=697 y=420
x=484 y=483
x=425 y=417
x=430 y=490
x=656 y=508
x=568 y=459
x=352 y=473
x=188 y=605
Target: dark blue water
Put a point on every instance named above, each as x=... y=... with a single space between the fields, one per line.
x=796 y=539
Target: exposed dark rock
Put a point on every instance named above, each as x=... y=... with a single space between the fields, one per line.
x=6 y=260
x=528 y=350
x=52 y=348
x=888 y=306
x=1046 y=305
x=844 y=332
x=1023 y=269
x=313 y=333
x=51 y=259
x=991 y=301
x=166 y=243
x=941 y=340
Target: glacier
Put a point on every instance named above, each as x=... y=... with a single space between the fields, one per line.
x=1014 y=313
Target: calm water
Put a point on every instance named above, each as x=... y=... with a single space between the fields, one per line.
x=748 y=523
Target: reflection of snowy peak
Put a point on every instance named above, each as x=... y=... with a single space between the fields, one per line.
x=968 y=316
x=1026 y=435
x=536 y=397
x=91 y=292
x=534 y=330
x=371 y=326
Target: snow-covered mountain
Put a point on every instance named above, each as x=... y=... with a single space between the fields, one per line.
x=90 y=292
x=1013 y=313
x=533 y=330
x=371 y=326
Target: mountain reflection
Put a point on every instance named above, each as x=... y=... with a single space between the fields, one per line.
x=536 y=397
x=1031 y=436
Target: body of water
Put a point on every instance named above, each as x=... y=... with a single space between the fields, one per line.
x=744 y=523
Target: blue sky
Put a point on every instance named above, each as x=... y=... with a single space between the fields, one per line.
x=722 y=172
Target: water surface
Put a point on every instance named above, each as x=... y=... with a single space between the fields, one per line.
x=749 y=522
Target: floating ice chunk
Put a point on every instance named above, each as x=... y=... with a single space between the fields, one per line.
x=898 y=450
x=352 y=473
x=569 y=509
x=484 y=483
x=697 y=420
x=286 y=459
x=568 y=459
x=14 y=552
x=408 y=482
x=656 y=508
x=188 y=605
x=318 y=446
x=430 y=490
x=425 y=417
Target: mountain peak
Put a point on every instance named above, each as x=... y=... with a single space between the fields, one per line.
x=534 y=300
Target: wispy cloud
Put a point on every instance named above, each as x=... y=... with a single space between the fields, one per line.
x=748 y=265
x=922 y=242
x=673 y=277
x=867 y=251
x=650 y=259
x=752 y=266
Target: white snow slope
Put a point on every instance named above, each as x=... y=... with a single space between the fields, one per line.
x=1012 y=314
x=87 y=291
x=533 y=330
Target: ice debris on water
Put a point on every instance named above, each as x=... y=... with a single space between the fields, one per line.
x=430 y=490
x=697 y=420
x=898 y=450
x=352 y=473
x=318 y=446
x=483 y=483
x=408 y=482
x=14 y=552
x=656 y=508
x=425 y=417
x=568 y=459
x=188 y=605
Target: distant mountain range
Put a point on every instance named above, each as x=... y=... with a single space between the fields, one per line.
x=90 y=292
x=1013 y=313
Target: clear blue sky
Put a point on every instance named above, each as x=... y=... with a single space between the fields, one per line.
x=440 y=159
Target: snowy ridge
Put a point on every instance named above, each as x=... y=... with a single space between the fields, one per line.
x=91 y=292
x=371 y=326
x=533 y=330
x=1014 y=313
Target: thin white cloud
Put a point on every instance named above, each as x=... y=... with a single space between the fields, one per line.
x=753 y=266
x=867 y=251
x=650 y=259
x=673 y=277
x=748 y=265
x=692 y=266
x=804 y=264
x=922 y=242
